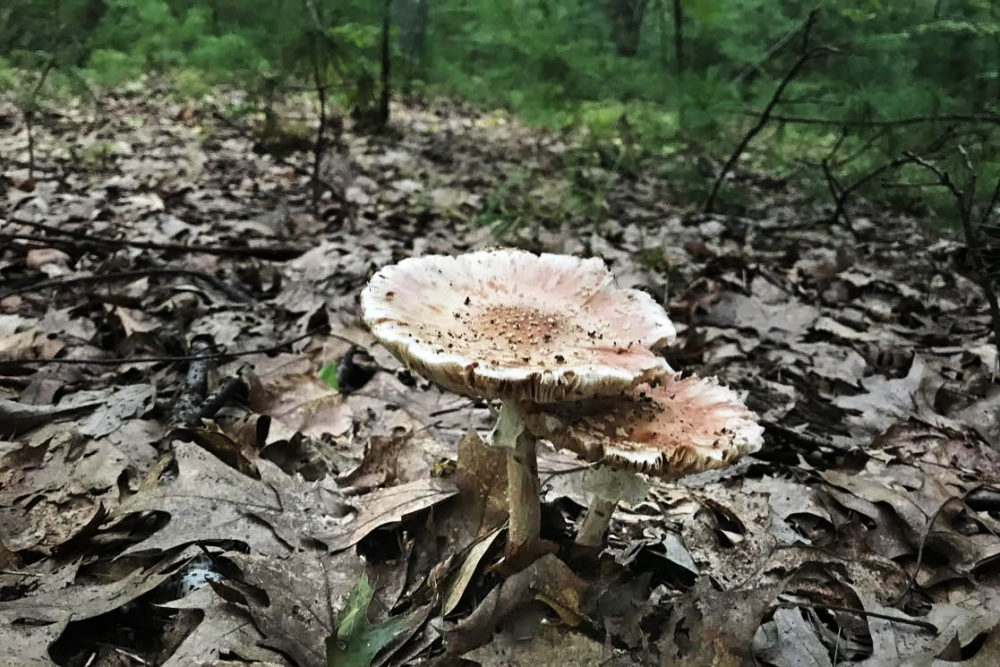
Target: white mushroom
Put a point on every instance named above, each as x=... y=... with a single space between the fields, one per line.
x=528 y=329
x=679 y=428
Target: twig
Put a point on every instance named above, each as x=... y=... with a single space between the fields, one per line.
x=912 y=579
x=118 y=361
x=195 y=385
x=923 y=625
x=29 y=114
x=777 y=46
x=841 y=193
x=805 y=55
x=277 y=253
x=810 y=441
x=213 y=402
x=447 y=411
x=320 y=145
x=233 y=293
x=965 y=202
x=840 y=199
x=895 y=122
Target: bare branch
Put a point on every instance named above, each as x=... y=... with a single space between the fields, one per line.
x=806 y=54
x=915 y=120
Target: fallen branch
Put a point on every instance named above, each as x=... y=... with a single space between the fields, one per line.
x=192 y=392
x=276 y=253
x=777 y=46
x=894 y=122
x=162 y=360
x=923 y=625
x=55 y=283
x=841 y=193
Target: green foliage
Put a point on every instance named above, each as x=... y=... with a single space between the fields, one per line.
x=357 y=640
x=108 y=67
x=8 y=76
x=606 y=72
x=328 y=374
x=190 y=84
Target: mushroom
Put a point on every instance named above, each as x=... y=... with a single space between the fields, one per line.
x=527 y=329
x=678 y=428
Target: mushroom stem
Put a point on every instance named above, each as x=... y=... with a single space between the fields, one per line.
x=522 y=494
x=522 y=476
x=609 y=486
x=596 y=522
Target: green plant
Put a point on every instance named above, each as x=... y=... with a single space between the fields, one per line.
x=356 y=640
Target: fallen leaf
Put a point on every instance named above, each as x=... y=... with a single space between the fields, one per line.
x=465 y=572
x=53 y=491
x=356 y=640
x=548 y=579
x=224 y=629
x=295 y=613
x=713 y=627
x=209 y=501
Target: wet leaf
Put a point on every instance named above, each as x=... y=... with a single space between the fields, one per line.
x=356 y=641
x=328 y=374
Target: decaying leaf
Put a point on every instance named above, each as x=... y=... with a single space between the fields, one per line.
x=273 y=515
x=292 y=600
x=548 y=579
x=713 y=627
x=55 y=487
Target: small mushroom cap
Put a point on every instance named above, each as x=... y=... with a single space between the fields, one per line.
x=514 y=325
x=680 y=428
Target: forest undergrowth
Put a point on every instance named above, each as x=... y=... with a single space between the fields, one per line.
x=203 y=451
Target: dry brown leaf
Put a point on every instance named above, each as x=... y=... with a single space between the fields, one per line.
x=209 y=502
x=301 y=594
x=223 y=629
x=52 y=491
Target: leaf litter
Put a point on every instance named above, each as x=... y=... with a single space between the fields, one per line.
x=867 y=531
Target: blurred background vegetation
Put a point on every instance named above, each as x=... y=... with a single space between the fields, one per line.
x=667 y=85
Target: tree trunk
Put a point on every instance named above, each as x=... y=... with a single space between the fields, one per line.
x=386 y=91
x=626 y=23
x=320 y=146
x=679 y=36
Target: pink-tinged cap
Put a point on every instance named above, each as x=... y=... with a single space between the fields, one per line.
x=679 y=428
x=514 y=325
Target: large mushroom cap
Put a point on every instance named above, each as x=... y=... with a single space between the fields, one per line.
x=682 y=427
x=510 y=324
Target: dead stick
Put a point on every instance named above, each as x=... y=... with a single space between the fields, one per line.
x=235 y=294
x=923 y=625
x=214 y=401
x=278 y=253
x=912 y=579
x=160 y=360
x=916 y=120
x=965 y=203
x=195 y=385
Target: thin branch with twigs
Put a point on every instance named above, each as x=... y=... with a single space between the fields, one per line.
x=276 y=253
x=805 y=55
x=965 y=201
x=118 y=361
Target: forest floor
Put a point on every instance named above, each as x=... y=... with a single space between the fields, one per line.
x=161 y=510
